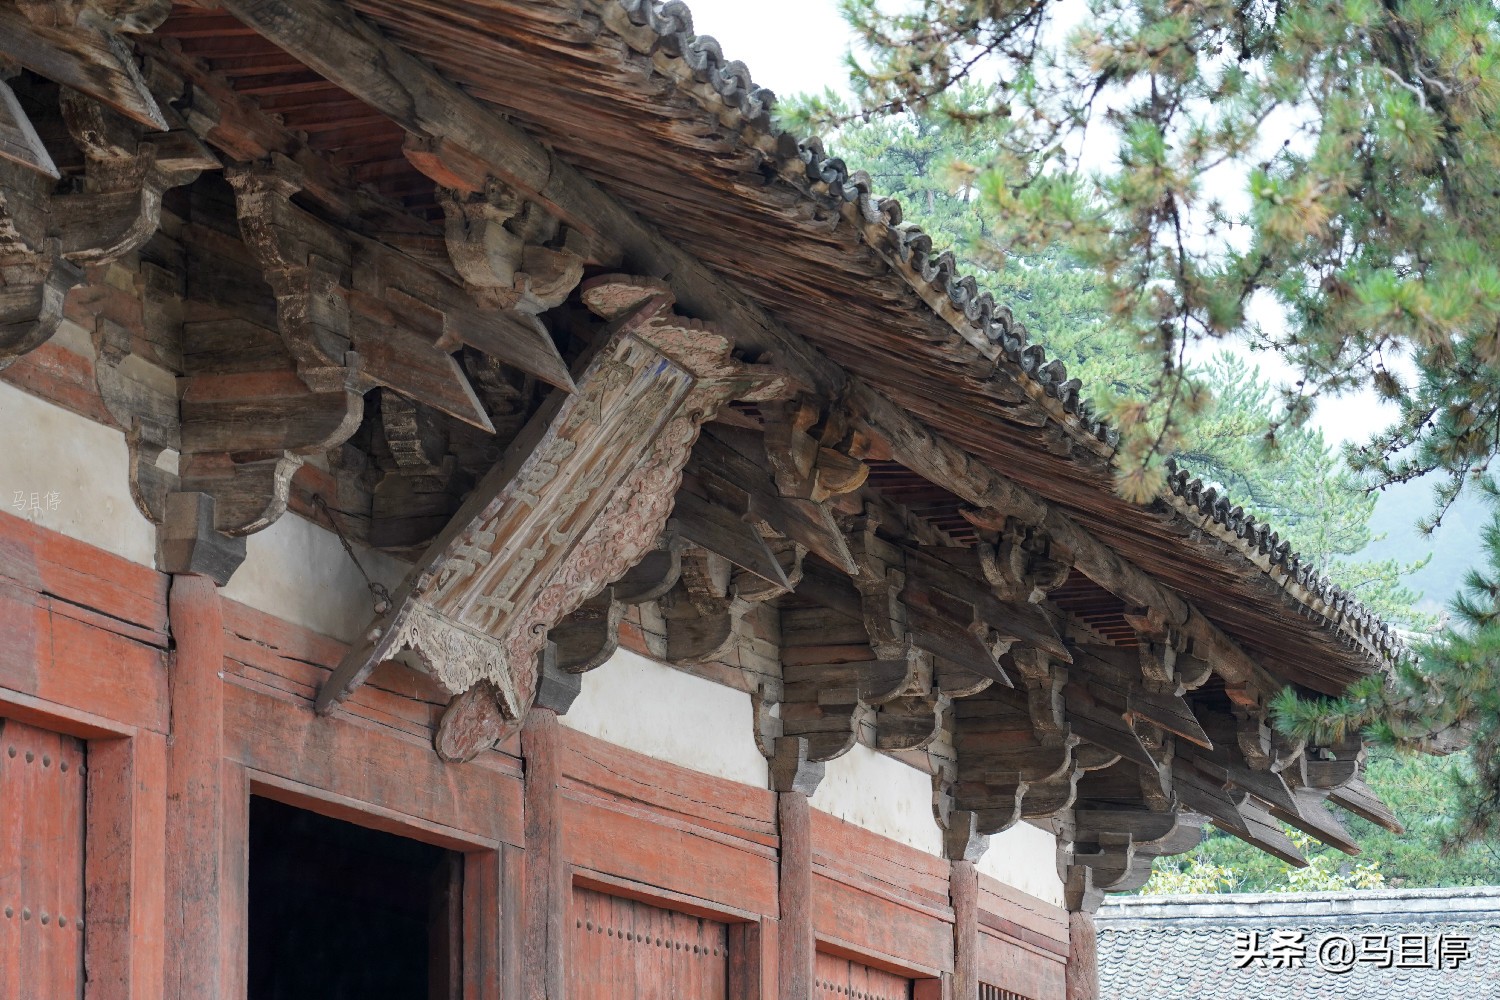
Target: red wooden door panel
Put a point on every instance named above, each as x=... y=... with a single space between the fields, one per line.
x=41 y=864
x=840 y=979
x=625 y=950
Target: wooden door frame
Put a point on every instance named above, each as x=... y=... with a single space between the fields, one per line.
x=491 y=873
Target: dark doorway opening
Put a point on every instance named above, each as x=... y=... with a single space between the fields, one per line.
x=341 y=912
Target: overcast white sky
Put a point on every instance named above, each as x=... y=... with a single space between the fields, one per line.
x=799 y=45
x=789 y=45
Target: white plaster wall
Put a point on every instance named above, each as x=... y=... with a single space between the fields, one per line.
x=673 y=716
x=882 y=795
x=80 y=472
x=298 y=571
x=1025 y=857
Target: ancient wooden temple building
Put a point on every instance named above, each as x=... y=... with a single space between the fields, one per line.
x=487 y=515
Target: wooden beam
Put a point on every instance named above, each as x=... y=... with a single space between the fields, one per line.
x=935 y=458
x=1082 y=975
x=1360 y=799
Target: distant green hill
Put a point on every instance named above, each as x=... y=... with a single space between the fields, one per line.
x=1454 y=546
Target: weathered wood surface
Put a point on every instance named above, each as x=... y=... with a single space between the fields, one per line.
x=19 y=142
x=52 y=232
x=845 y=979
x=898 y=635
x=439 y=111
x=1083 y=958
x=126 y=892
x=963 y=893
x=85 y=52
x=579 y=499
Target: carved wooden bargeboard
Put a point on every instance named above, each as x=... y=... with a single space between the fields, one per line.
x=581 y=496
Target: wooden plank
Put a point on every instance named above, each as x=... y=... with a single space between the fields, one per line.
x=1360 y=799
x=879 y=865
x=683 y=856
x=629 y=948
x=685 y=795
x=48 y=562
x=1171 y=713
x=839 y=978
x=58 y=659
x=737 y=459
x=1036 y=923
x=1313 y=818
x=516 y=338
x=751 y=973
x=717 y=529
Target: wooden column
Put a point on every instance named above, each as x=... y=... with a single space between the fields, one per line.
x=207 y=801
x=794 y=779
x=795 y=934
x=547 y=887
x=1083 y=957
x=963 y=893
